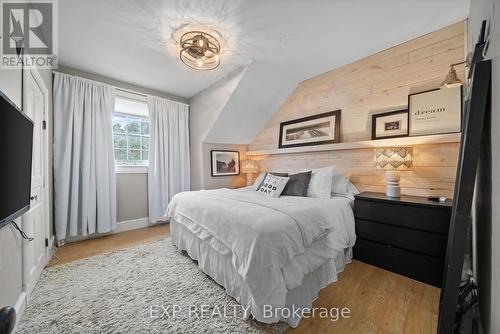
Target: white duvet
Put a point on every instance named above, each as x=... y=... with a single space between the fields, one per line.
x=265 y=236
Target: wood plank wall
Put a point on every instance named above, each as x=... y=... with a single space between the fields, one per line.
x=375 y=84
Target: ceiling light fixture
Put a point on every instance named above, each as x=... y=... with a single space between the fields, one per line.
x=200 y=50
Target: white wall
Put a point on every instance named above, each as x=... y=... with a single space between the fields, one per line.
x=11 y=271
x=120 y=84
x=215 y=182
x=11 y=252
x=131 y=196
x=487 y=217
x=205 y=109
x=251 y=104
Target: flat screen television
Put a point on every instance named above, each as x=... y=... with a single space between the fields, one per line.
x=16 y=142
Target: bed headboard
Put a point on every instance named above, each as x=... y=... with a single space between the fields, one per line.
x=433 y=173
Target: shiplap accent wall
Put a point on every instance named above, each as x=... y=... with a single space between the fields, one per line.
x=375 y=84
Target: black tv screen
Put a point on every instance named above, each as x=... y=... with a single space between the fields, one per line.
x=16 y=141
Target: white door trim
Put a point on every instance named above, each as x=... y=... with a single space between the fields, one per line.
x=35 y=75
x=47 y=161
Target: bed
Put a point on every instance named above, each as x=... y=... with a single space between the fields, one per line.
x=273 y=255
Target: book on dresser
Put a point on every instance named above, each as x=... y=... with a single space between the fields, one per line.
x=406 y=235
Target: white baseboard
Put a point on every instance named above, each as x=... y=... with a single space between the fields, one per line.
x=20 y=303
x=19 y=307
x=50 y=248
x=133 y=224
x=123 y=226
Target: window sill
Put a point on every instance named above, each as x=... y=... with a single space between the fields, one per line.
x=131 y=169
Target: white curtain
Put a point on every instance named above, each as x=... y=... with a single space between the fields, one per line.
x=169 y=171
x=84 y=165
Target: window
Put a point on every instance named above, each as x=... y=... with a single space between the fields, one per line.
x=130 y=132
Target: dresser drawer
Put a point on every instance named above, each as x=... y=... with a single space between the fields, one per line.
x=409 y=239
x=421 y=218
x=423 y=268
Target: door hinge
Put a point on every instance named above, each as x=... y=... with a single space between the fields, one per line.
x=44 y=125
x=46 y=242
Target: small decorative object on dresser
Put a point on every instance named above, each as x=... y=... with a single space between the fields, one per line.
x=249 y=167
x=225 y=163
x=312 y=130
x=435 y=111
x=393 y=160
x=406 y=235
x=390 y=124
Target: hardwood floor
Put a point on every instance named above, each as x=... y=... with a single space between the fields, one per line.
x=379 y=301
x=91 y=247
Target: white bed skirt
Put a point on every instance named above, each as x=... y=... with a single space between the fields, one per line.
x=220 y=268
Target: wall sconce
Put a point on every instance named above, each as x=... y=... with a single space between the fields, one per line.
x=452 y=79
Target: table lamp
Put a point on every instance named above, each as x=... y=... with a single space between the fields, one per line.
x=394 y=160
x=250 y=167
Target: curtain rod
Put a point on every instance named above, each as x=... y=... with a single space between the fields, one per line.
x=122 y=89
x=130 y=91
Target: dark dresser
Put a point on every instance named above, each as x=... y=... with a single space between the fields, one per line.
x=406 y=235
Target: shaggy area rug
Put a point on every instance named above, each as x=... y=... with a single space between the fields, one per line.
x=134 y=291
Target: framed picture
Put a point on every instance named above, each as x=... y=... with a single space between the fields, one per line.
x=390 y=124
x=225 y=163
x=436 y=111
x=312 y=130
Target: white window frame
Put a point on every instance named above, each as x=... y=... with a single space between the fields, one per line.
x=123 y=168
x=130 y=169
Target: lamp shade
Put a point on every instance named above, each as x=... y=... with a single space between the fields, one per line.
x=394 y=158
x=249 y=166
x=451 y=79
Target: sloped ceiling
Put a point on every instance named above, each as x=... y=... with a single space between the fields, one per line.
x=281 y=42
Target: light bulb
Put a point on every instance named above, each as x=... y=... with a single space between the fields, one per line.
x=200 y=42
x=200 y=63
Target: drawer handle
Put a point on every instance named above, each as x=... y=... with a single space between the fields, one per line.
x=34 y=198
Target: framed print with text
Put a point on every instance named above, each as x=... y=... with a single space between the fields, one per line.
x=436 y=111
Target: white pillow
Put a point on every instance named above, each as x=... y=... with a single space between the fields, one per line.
x=258 y=180
x=339 y=183
x=273 y=185
x=351 y=192
x=351 y=189
x=320 y=185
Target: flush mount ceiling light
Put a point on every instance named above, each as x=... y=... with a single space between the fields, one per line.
x=200 y=50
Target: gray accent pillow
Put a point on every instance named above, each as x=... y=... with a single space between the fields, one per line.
x=297 y=184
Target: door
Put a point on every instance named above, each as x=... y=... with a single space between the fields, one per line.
x=36 y=219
